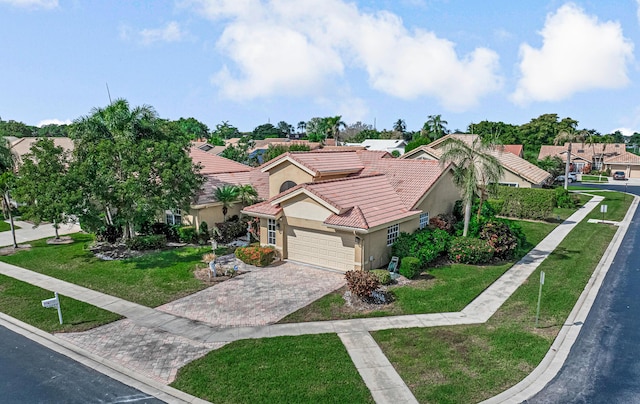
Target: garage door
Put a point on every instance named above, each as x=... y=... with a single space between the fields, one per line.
x=323 y=249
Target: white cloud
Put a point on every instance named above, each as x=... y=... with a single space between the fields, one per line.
x=624 y=131
x=171 y=32
x=53 y=122
x=32 y=4
x=578 y=53
x=279 y=47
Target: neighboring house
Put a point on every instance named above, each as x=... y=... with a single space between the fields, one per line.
x=344 y=209
x=627 y=162
x=518 y=172
x=388 y=145
x=217 y=171
x=21 y=146
x=208 y=147
x=584 y=157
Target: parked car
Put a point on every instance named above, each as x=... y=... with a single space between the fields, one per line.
x=619 y=175
x=571 y=178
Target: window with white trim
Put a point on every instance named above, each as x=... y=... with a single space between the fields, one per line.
x=271 y=231
x=392 y=234
x=424 y=220
x=173 y=217
x=509 y=184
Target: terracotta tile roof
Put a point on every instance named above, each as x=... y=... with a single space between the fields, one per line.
x=509 y=161
x=623 y=158
x=214 y=164
x=516 y=149
x=321 y=162
x=255 y=177
x=376 y=200
x=263 y=208
x=582 y=150
x=342 y=148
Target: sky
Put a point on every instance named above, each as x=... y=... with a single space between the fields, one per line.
x=249 y=62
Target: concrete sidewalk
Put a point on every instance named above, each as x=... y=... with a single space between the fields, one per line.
x=377 y=374
x=27 y=232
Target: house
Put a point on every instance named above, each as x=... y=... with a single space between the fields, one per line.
x=344 y=209
x=584 y=157
x=518 y=172
x=388 y=145
x=217 y=171
x=625 y=161
x=21 y=146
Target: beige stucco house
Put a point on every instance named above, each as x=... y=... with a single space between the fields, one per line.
x=518 y=172
x=344 y=209
x=585 y=157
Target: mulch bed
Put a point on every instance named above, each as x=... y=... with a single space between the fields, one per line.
x=60 y=240
x=9 y=250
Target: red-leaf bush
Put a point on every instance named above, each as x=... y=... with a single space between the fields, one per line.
x=361 y=283
x=258 y=256
x=468 y=250
x=499 y=236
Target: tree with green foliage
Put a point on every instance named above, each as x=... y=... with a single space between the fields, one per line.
x=7 y=184
x=568 y=136
x=474 y=170
x=506 y=133
x=266 y=131
x=400 y=126
x=15 y=128
x=332 y=125
x=44 y=186
x=302 y=126
x=274 y=151
x=227 y=195
x=285 y=128
x=414 y=144
x=551 y=164
x=129 y=166
x=239 y=152
x=191 y=128
x=247 y=194
x=225 y=130
x=53 y=130
x=435 y=127
x=544 y=129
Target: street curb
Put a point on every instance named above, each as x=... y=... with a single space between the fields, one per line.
x=561 y=347
x=102 y=365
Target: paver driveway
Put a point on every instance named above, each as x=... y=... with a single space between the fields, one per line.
x=261 y=296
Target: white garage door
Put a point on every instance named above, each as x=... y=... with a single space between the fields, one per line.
x=322 y=249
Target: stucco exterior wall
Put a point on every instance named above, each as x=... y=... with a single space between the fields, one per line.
x=509 y=177
x=211 y=215
x=440 y=198
x=286 y=172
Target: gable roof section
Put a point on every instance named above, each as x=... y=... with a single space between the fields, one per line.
x=318 y=163
x=21 y=146
x=582 y=150
x=516 y=149
x=623 y=158
x=214 y=164
x=255 y=177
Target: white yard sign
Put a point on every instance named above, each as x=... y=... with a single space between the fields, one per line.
x=54 y=302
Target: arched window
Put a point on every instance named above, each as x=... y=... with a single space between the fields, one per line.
x=287 y=185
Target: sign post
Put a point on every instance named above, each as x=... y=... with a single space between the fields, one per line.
x=55 y=303
x=539 y=297
x=603 y=210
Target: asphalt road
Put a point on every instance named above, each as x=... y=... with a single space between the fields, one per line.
x=604 y=363
x=31 y=373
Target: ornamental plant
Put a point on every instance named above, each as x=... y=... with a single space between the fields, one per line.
x=410 y=267
x=467 y=250
x=255 y=255
x=499 y=235
x=361 y=283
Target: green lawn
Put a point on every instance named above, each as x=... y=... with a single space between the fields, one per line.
x=304 y=369
x=4 y=226
x=23 y=301
x=472 y=363
x=617 y=205
x=595 y=178
x=444 y=289
x=151 y=280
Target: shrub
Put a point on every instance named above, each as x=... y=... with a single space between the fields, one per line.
x=382 y=275
x=109 y=233
x=468 y=250
x=361 y=283
x=169 y=231
x=443 y=222
x=425 y=244
x=229 y=231
x=527 y=203
x=203 y=234
x=187 y=234
x=410 y=267
x=255 y=255
x=500 y=237
x=150 y=242
x=496 y=205
x=564 y=199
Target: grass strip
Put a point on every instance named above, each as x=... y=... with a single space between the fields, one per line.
x=23 y=301
x=617 y=205
x=304 y=369
x=4 y=226
x=473 y=363
x=151 y=280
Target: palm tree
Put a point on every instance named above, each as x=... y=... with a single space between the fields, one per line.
x=400 y=126
x=474 y=169
x=435 y=125
x=302 y=125
x=7 y=182
x=333 y=124
x=563 y=137
x=247 y=194
x=228 y=196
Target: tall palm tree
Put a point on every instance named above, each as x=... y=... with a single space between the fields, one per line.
x=302 y=125
x=228 y=196
x=334 y=123
x=247 y=194
x=435 y=125
x=474 y=170
x=563 y=137
x=400 y=126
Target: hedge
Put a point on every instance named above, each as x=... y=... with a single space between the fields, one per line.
x=258 y=256
x=467 y=250
x=526 y=203
x=150 y=242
